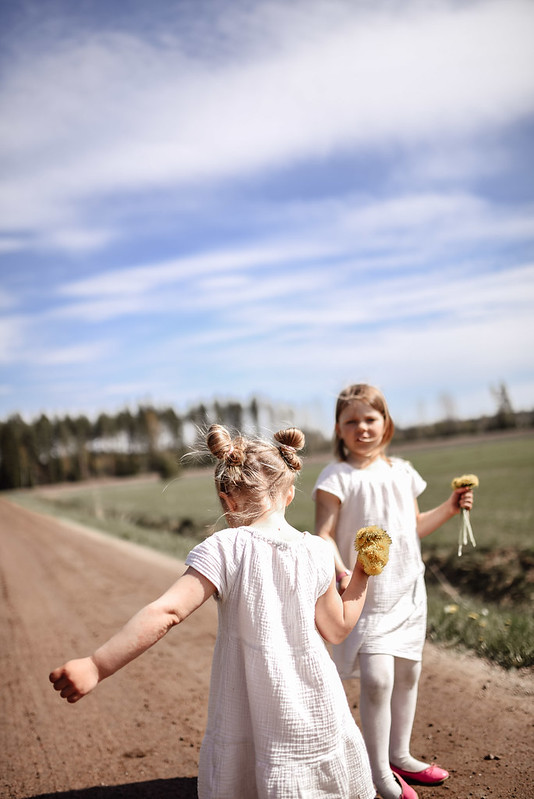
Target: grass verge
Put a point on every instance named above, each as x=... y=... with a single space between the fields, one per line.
x=502 y=635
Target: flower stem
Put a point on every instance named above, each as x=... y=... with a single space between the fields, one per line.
x=465 y=535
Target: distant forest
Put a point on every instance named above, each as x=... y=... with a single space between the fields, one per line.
x=53 y=450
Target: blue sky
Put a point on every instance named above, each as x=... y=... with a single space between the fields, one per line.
x=207 y=200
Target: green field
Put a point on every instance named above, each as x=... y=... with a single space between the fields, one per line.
x=173 y=517
x=504 y=502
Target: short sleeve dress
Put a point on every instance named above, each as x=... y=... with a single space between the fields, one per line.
x=394 y=616
x=279 y=725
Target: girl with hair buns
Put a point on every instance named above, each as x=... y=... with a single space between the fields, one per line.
x=365 y=487
x=279 y=726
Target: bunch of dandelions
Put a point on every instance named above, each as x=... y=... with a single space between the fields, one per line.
x=465 y=535
x=372 y=545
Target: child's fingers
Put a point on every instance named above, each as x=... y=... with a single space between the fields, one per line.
x=55 y=675
x=64 y=685
x=69 y=692
x=58 y=679
x=74 y=698
x=75 y=679
x=465 y=500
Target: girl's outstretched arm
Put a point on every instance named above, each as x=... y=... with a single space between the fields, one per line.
x=430 y=520
x=335 y=615
x=76 y=678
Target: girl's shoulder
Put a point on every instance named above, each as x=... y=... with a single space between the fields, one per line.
x=335 y=468
x=318 y=545
x=226 y=540
x=218 y=558
x=403 y=469
x=401 y=464
x=334 y=479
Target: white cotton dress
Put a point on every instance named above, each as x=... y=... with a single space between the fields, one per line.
x=279 y=725
x=394 y=616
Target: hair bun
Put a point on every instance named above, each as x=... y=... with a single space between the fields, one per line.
x=290 y=441
x=220 y=444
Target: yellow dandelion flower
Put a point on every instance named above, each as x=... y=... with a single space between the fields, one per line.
x=372 y=545
x=465 y=481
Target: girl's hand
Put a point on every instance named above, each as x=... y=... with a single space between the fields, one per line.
x=75 y=679
x=462 y=498
x=343 y=584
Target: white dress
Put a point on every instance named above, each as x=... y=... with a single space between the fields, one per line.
x=279 y=725
x=394 y=616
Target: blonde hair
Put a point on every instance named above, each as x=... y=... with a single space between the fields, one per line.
x=254 y=469
x=374 y=397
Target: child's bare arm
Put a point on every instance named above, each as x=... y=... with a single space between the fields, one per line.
x=335 y=615
x=430 y=520
x=76 y=678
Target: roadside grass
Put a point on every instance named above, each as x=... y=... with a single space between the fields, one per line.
x=504 y=636
x=169 y=517
x=172 y=517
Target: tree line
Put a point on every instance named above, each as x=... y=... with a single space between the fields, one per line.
x=52 y=450
x=148 y=439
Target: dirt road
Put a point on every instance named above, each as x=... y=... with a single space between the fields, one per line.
x=64 y=590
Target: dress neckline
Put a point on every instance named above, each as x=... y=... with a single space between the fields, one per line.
x=376 y=464
x=271 y=538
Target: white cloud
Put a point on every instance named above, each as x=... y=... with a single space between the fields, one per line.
x=223 y=271
x=11 y=244
x=451 y=217
x=217 y=264
x=355 y=228
x=14 y=334
x=452 y=162
x=100 y=310
x=458 y=356
x=342 y=318
x=113 y=112
x=75 y=354
x=27 y=339
x=77 y=239
x=359 y=262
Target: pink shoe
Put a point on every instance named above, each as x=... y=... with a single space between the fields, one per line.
x=407 y=791
x=433 y=775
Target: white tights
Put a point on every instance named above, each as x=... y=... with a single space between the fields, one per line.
x=388 y=697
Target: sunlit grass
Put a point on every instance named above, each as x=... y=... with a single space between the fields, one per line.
x=505 y=636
